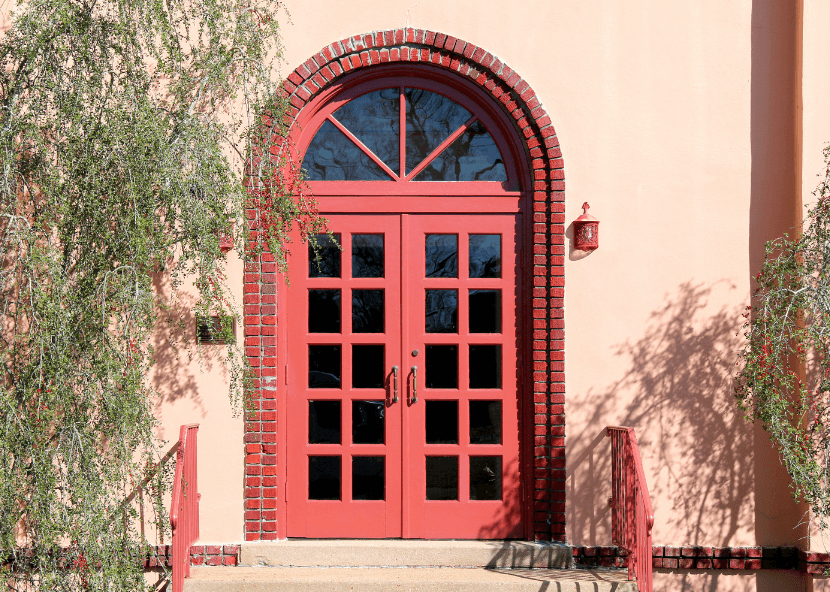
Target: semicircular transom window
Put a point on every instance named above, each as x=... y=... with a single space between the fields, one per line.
x=403 y=134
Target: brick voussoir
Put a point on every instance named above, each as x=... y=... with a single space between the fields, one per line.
x=514 y=95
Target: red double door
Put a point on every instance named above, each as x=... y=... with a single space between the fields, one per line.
x=402 y=382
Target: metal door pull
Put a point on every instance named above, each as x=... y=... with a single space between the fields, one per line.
x=414 y=384
x=395 y=395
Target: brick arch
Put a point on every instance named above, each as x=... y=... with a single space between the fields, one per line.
x=544 y=189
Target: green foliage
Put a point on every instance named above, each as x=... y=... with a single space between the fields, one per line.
x=129 y=130
x=788 y=329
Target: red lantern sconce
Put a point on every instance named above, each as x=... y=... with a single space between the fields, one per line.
x=586 y=231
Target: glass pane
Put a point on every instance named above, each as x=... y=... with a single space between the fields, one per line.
x=367 y=311
x=430 y=119
x=375 y=119
x=441 y=311
x=324 y=422
x=326 y=262
x=367 y=422
x=332 y=156
x=323 y=366
x=441 y=255
x=485 y=366
x=442 y=422
x=485 y=422
x=324 y=477
x=367 y=366
x=473 y=156
x=324 y=311
x=368 y=478
x=367 y=255
x=442 y=477
x=485 y=311
x=485 y=256
x=442 y=366
x=485 y=477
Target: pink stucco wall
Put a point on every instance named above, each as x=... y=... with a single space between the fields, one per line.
x=681 y=125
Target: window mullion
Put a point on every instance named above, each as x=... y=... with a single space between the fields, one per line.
x=441 y=147
x=402 y=167
x=363 y=147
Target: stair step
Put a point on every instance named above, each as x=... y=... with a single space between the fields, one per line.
x=405 y=553
x=417 y=579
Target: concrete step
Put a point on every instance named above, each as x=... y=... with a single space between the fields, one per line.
x=410 y=579
x=405 y=553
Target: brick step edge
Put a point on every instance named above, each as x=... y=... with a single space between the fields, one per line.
x=711 y=558
x=663 y=557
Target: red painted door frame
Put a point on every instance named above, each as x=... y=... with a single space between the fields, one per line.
x=374 y=197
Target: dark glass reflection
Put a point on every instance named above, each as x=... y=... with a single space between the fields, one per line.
x=324 y=311
x=368 y=478
x=474 y=156
x=430 y=119
x=367 y=255
x=324 y=422
x=375 y=119
x=441 y=255
x=485 y=255
x=324 y=477
x=485 y=422
x=326 y=261
x=485 y=311
x=442 y=366
x=367 y=422
x=367 y=366
x=485 y=477
x=485 y=366
x=441 y=310
x=332 y=156
x=441 y=422
x=442 y=477
x=323 y=366
x=367 y=311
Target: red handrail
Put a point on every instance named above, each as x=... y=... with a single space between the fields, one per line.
x=632 y=516
x=184 y=507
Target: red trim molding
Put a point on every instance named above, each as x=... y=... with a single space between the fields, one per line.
x=544 y=184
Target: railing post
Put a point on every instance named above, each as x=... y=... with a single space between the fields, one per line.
x=632 y=517
x=184 y=506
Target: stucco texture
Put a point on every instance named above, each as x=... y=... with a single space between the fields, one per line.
x=681 y=124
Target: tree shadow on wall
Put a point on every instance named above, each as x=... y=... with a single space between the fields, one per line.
x=172 y=377
x=697 y=448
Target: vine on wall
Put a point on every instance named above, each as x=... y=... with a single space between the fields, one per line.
x=787 y=330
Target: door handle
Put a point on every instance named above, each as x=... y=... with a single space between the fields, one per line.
x=414 y=384
x=395 y=395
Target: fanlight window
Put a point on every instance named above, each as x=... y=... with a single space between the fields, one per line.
x=376 y=135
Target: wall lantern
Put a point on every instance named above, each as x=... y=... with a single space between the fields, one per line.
x=586 y=231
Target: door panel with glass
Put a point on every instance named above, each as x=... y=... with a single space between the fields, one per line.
x=402 y=379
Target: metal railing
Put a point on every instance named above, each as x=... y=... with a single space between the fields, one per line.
x=632 y=517
x=184 y=508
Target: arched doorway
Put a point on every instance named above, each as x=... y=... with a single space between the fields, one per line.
x=404 y=327
x=414 y=203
